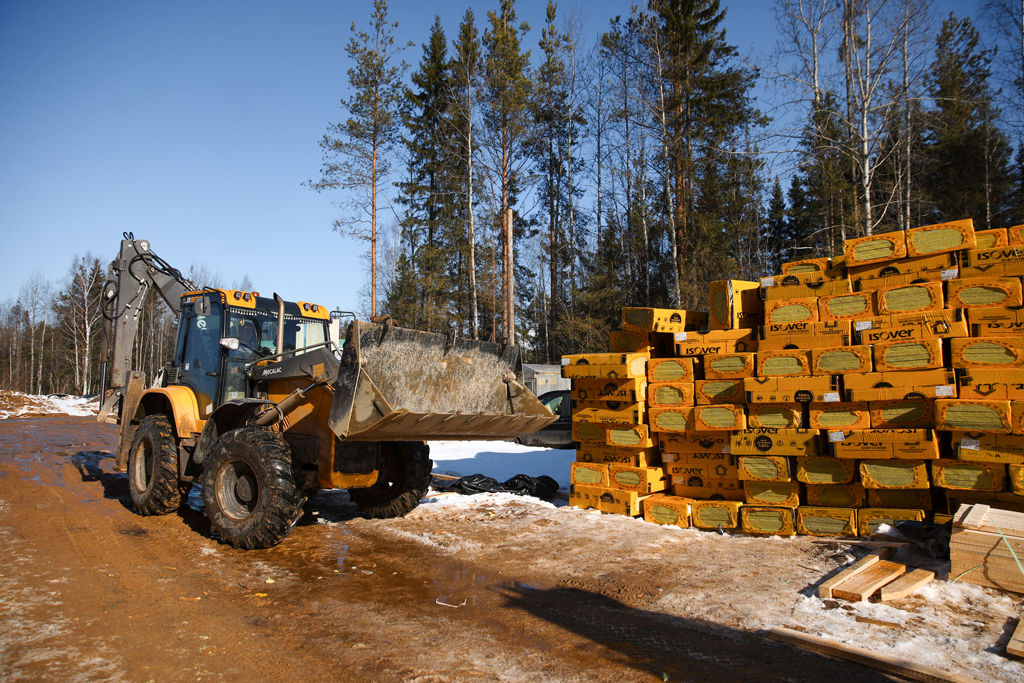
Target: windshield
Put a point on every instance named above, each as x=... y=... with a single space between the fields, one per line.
x=256 y=331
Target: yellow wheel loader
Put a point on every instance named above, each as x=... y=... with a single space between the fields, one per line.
x=263 y=408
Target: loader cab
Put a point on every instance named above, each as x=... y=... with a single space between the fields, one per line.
x=216 y=373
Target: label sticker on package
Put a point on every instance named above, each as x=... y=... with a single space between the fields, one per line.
x=970 y=444
x=680 y=336
x=836 y=436
x=727 y=448
x=565 y=360
x=861 y=325
x=767 y=282
x=945 y=391
x=831 y=397
x=950 y=274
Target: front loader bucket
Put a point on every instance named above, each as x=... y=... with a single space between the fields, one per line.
x=396 y=384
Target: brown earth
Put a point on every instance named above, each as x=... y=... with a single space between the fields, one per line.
x=91 y=592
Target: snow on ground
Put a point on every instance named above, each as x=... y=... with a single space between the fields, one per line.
x=16 y=404
x=500 y=460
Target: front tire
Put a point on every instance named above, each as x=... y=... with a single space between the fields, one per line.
x=249 y=488
x=153 y=467
x=402 y=481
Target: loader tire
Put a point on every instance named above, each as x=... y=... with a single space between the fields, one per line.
x=249 y=489
x=402 y=481
x=153 y=467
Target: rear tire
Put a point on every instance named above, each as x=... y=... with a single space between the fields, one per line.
x=249 y=488
x=153 y=467
x=402 y=481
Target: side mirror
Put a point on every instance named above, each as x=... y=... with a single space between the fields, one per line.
x=230 y=343
x=201 y=306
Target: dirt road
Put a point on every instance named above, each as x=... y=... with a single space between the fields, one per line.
x=91 y=592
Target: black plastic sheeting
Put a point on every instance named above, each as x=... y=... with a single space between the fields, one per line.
x=543 y=487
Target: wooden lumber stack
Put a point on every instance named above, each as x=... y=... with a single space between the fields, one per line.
x=885 y=383
x=987 y=547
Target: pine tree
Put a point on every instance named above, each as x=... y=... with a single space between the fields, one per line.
x=356 y=152
x=969 y=157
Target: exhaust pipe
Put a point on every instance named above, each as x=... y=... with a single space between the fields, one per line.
x=280 y=323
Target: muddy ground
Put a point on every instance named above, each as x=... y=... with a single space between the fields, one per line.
x=486 y=592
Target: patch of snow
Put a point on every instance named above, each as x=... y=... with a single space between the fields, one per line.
x=501 y=460
x=15 y=404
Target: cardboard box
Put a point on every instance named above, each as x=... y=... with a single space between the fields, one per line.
x=588 y=474
x=716 y=466
x=609 y=455
x=841 y=360
x=869 y=519
x=842 y=328
x=949 y=322
x=976 y=258
x=585 y=497
x=906 y=266
x=995 y=322
x=826 y=521
x=988 y=447
x=903 y=414
x=846 y=306
x=729 y=365
x=625 y=436
x=916 y=355
x=894 y=474
x=967 y=415
x=1007 y=269
x=710 y=391
x=710 y=489
x=768 y=520
x=715 y=341
x=787 y=363
x=783 y=311
x=775 y=415
x=629 y=390
x=811 y=265
x=884 y=444
x=794 y=287
x=820 y=470
x=775 y=442
x=588 y=432
x=663 y=320
x=868 y=285
x=607 y=500
x=711 y=514
x=670 y=394
x=735 y=304
x=721 y=416
x=678 y=419
x=811 y=277
x=990 y=239
x=941 y=237
x=604 y=365
x=853 y=415
x=875 y=248
x=638 y=479
x=983 y=292
x=667 y=510
x=987 y=352
x=1017 y=417
x=670 y=370
x=1016 y=476
x=600 y=411
x=809 y=343
x=836 y=495
x=962 y=475
x=694 y=442
x=911 y=499
x=881 y=380
x=791 y=389
x=901 y=393
x=1014 y=235
x=625 y=341
x=919 y=298
x=784 y=493
x=764 y=468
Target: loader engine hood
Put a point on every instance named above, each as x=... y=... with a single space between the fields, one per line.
x=396 y=384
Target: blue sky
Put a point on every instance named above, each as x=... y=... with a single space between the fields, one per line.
x=194 y=125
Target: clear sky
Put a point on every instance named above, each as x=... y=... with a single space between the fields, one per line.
x=193 y=124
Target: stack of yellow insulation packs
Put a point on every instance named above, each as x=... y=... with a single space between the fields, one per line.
x=883 y=384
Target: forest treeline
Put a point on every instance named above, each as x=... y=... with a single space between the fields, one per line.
x=514 y=170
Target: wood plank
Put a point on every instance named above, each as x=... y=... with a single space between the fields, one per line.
x=825 y=589
x=866 y=544
x=975 y=516
x=877 y=622
x=1016 y=645
x=862 y=586
x=993 y=520
x=875 y=660
x=907 y=584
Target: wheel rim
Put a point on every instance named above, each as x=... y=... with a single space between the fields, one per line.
x=237 y=489
x=142 y=472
